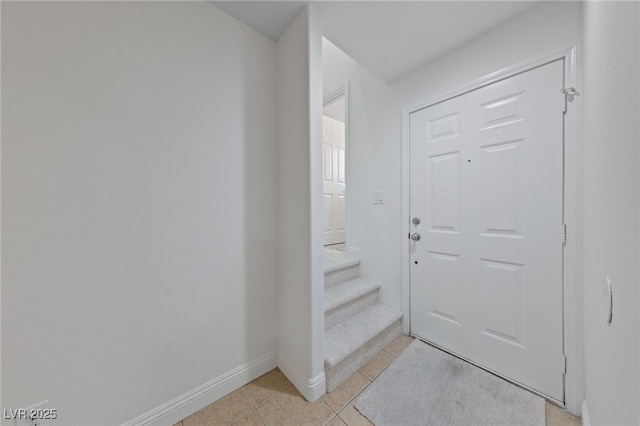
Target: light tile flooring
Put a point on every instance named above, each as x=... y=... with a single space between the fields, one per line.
x=272 y=400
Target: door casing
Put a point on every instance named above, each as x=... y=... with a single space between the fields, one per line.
x=572 y=292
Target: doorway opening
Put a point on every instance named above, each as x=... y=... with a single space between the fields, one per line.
x=334 y=154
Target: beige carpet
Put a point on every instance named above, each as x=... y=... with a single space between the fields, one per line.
x=426 y=386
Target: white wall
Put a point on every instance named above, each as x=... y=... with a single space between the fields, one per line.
x=375 y=131
x=300 y=214
x=138 y=210
x=612 y=211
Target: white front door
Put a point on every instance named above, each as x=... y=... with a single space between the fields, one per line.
x=334 y=180
x=487 y=185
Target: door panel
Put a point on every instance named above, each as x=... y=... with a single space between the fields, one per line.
x=487 y=183
x=502 y=212
x=502 y=301
x=445 y=292
x=444 y=194
x=328 y=212
x=327 y=161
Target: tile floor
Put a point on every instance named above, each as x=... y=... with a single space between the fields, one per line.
x=272 y=400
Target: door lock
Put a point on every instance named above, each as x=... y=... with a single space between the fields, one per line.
x=416 y=221
x=415 y=236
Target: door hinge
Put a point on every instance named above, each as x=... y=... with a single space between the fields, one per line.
x=564 y=233
x=568 y=95
x=564 y=364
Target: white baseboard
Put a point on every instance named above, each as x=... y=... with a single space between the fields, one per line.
x=585 y=414
x=312 y=389
x=198 y=398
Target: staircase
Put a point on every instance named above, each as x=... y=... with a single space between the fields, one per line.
x=357 y=327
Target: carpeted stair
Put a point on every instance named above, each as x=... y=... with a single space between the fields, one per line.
x=357 y=327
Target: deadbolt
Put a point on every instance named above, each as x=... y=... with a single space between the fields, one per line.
x=416 y=221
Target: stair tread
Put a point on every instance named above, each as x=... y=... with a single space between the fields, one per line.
x=336 y=260
x=347 y=337
x=346 y=292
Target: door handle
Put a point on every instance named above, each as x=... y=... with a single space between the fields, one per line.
x=415 y=236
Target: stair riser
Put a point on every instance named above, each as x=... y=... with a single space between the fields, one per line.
x=339 y=373
x=341 y=275
x=346 y=311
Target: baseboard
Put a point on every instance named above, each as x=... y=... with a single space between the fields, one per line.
x=585 y=414
x=198 y=398
x=312 y=389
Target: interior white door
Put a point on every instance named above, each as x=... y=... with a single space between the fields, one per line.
x=334 y=180
x=487 y=184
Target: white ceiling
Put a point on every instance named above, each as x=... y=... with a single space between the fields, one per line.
x=390 y=38
x=269 y=18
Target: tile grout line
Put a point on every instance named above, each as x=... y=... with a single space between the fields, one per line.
x=381 y=371
x=361 y=391
x=255 y=408
x=244 y=390
x=354 y=406
x=262 y=420
x=354 y=398
x=338 y=411
x=332 y=410
x=243 y=415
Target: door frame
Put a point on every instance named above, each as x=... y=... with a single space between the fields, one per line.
x=343 y=91
x=572 y=258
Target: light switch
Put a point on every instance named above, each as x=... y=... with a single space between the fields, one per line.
x=378 y=197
